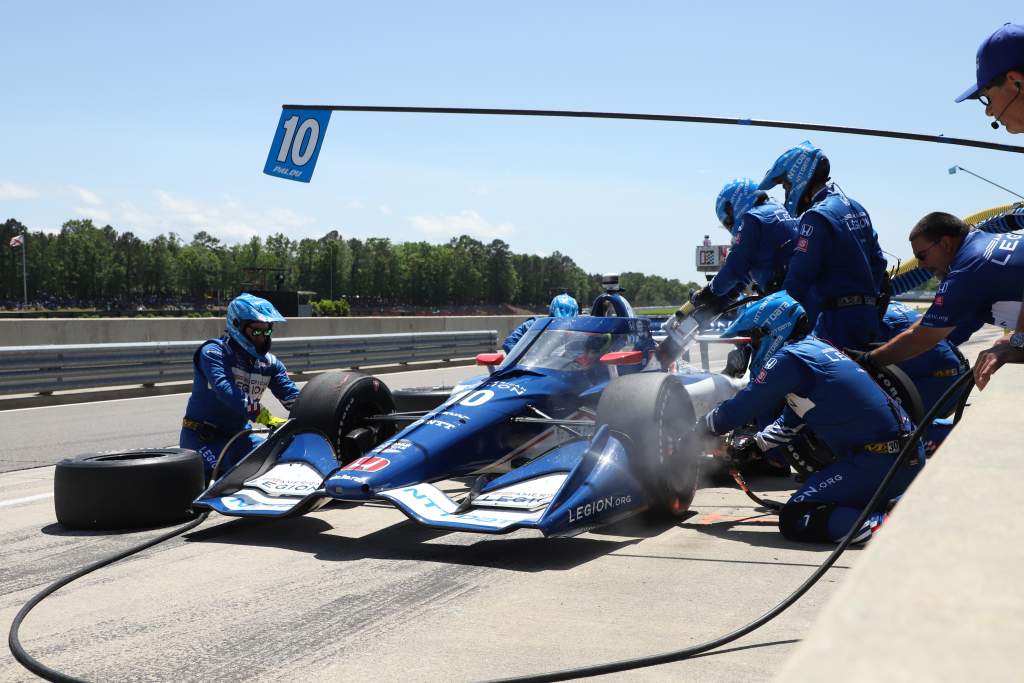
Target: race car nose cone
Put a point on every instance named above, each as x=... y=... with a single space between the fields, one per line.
x=393 y=463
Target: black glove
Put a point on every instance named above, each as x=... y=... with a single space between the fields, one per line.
x=743 y=450
x=863 y=359
x=737 y=361
x=702 y=297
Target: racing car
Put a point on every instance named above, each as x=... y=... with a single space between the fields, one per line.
x=576 y=428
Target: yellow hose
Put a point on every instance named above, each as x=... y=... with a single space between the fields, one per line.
x=981 y=216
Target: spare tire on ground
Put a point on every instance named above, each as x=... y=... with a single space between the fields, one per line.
x=418 y=399
x=130 y=489
x=654 y=412
x=337 y=404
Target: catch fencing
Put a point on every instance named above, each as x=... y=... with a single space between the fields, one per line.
x=45 y=369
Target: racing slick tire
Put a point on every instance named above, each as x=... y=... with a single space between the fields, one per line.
x=901 y=389
x=420 y=399
x=130 y=489
x=337 y=403
x=653 y=411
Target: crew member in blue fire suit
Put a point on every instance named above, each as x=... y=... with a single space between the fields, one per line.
x=935 y=370
x=836 y=260
x=763 y=238
x=231 y=374
x=562 y=306
x=828 y=393
x=982 y=281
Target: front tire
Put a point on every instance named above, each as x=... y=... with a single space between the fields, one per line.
x=338 y=404
x=654 y=413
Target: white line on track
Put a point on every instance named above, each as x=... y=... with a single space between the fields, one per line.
x=26 y=499
x=86 y=404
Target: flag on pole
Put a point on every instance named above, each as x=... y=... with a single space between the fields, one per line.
x=17 y=241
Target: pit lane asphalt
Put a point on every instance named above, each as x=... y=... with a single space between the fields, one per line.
x=360 y=592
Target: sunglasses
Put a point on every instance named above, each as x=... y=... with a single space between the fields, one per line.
x=256 y=332
x=919 y=255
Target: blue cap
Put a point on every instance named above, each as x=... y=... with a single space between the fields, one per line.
x=1000 y=52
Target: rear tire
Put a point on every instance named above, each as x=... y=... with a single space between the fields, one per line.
x=127 y=489
x=338 y=402
x=654 y=412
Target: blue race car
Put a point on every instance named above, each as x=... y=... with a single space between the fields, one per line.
x=575 y=429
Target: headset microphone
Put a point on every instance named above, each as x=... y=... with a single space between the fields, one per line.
x=995 y=123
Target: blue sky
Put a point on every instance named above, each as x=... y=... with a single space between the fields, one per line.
x=158 y=117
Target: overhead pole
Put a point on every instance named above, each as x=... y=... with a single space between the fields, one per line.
x=757 y=123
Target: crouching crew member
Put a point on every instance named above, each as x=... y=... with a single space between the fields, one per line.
x=828 y=393
x=230 y=376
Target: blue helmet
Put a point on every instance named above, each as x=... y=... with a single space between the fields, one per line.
x=247 y=308
x=563 y=306
x=770 y=322
x=796 y=166
x=740 y=193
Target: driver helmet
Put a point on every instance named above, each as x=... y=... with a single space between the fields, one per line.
x=769 y=322
x=794 y=169
x=563 y=306
x=246 y=308
x=740 y=194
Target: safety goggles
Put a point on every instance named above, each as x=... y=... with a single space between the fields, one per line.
x=256 y=332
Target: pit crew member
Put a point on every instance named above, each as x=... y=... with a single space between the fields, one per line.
x=836 y=260
x=982 y=281
x=828 y=393
x=1000 y=78
x=562 y=306
x=763 y=238
x=230 y=375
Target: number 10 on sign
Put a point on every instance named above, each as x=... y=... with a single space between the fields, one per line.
x=296 y=146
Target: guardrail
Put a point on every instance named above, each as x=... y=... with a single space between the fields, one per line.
x=45 y=369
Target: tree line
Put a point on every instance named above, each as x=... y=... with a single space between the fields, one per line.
x=86 y=263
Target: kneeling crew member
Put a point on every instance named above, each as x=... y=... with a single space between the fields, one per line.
x=231 y=374
x=829 y=394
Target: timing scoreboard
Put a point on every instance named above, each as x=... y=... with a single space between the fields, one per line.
x=710 y=258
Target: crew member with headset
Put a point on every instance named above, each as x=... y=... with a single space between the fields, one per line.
x=230 y=375
x=836 y=260
x=562 y=306
x=763 y=238
x=998 y=86
x=825 y=392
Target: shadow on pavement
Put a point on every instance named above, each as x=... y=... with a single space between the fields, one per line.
x=407 y=540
